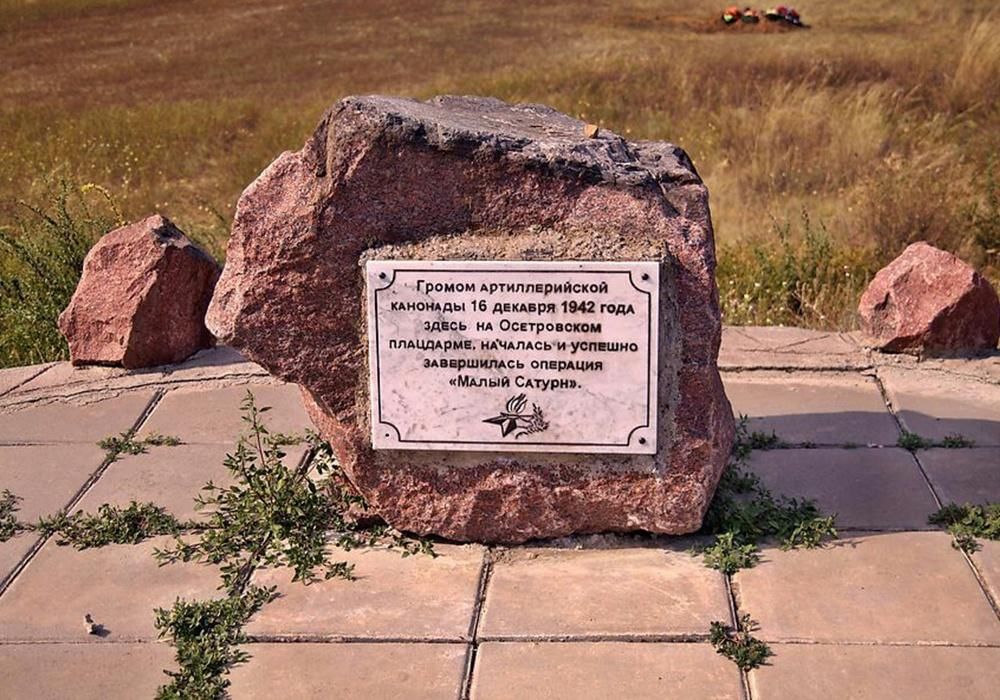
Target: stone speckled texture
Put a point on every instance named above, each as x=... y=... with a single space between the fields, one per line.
x=142 y=298
x=458 y=178
x=928 y=302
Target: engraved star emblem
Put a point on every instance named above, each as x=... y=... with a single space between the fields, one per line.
x=507 y=420
x=512 y=419
x=508 y=424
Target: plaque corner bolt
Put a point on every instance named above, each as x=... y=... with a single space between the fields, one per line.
x=381 y=275
x=642 y=441
x=645 y=276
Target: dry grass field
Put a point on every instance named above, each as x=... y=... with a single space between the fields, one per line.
x=826 y=150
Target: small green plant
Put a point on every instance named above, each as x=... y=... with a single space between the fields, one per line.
x=9 y=524
x=968 y=522
x=287 y=439
x=729 y=556
x=126 y=443
x=110 y=525
x=956 y=441
x=739 y=645
x=749 y=440
x=913 y=442
x=809 y=532
x=206 y=636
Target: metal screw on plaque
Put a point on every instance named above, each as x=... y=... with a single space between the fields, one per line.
x=381 y=275
x=642 y=441
x=645 y=276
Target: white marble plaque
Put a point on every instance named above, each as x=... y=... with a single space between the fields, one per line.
x=510 y=356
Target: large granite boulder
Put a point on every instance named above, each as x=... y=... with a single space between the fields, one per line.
x=475 y=178
x=142 y=298
x=929 y=302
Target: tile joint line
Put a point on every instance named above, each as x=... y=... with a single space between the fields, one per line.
x=485 y=573
x=734 y=620
x=980 y=581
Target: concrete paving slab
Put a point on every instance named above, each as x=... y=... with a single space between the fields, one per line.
x=213 y=368
x=984 y=369
x=776 y=347
x=213 y=359
x=808 y=671
x=119 y=585
x=67 y=378
x=874 y=489
x=829 y=408
x=536 y=593
x=170 y=477
x=351 y=671
x=60 y=422
x=417 y=597
x=911 y=587
x=14 y=377
x=13 y=550
x=964 y=475
x=83 y=671
x=600 y=670
x=198 y=416
x=935 y=404
x=47 y=477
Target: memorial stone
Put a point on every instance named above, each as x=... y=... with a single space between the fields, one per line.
x=507 y=327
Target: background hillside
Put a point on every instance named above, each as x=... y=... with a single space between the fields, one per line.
x=825 y=150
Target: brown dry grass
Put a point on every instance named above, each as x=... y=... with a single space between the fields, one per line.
x=879 y=121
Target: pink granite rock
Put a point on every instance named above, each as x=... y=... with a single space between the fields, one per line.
x=142 y=298
x=464 y=178
x=929 y=302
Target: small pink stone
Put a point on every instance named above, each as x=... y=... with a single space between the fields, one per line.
x=929 y=302
x=142 y=298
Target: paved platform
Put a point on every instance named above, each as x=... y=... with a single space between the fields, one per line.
x=888 y=610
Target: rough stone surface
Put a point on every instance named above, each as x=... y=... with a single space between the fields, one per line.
x=464 y=178
x=928 y=302
x=142 y=298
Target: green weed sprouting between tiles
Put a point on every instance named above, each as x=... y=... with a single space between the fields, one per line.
x=110 y=525
x=729 y=556
x=126 y=444
x=955 y=441
x=739 y=645
x=743 y=512
x=749 y=440
x=968 y=522
x=9 y=524
x=913 y=442
x=206 y=636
